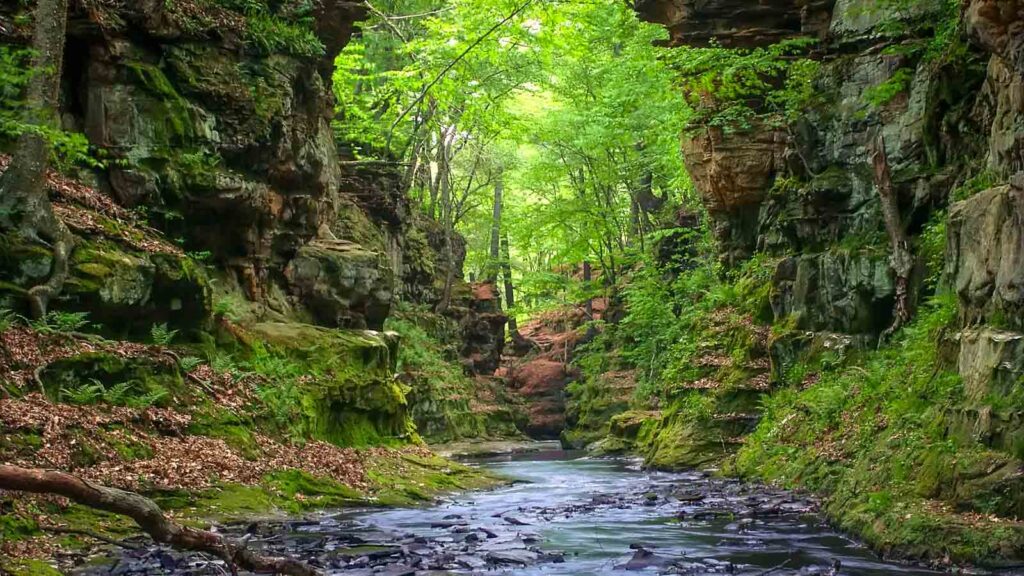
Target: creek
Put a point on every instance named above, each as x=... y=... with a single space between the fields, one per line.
x=566 y=514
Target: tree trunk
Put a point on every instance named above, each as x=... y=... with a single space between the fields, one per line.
x=24 y=204
x=510 y=295
x=446 y=224
x=435 y=181
x=495 y=252
x=901 y=260
x=148 y=515
x=588 y=306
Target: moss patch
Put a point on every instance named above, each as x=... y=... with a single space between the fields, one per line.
x=414 y=479
x=876 y=439
x=28 y=568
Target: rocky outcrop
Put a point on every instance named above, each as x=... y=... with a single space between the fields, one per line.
x=477 y=310
x=342 y=284
x=733 y=172
x=215 y=124
x=123 y=275
x=351 y=398
x=991 y=362
x=541 y=383
x=736 y=23
x=805 y=187
x=220 y=130
x=986 y=257
x=847 y=293
x=996 y=25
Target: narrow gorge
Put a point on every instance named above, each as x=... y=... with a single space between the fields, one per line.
x=317 y=286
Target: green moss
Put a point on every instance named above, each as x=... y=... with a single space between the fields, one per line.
x=100 y=376
x=85 y=518
x=232 y=427
x=411 y=479
x=878 y=438
x=126 y=448
x=232 y=502
x=28 y=568
x=445 y=404
x=332 y=385
x=14 y=527
x=591 y=404
x=20 y=442
x=309 y=491
x=172 y=115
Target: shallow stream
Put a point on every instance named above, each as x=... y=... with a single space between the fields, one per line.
x=569 y=515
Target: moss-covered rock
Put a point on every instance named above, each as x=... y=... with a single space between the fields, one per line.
x=592 y=404
x=98 y=375
x=342 y=284
x=445 y=403
x=351 y=397
x=128 y=292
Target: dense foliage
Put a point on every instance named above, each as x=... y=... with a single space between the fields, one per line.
x=568 y=107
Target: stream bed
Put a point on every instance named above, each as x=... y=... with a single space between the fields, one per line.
x=565 y=515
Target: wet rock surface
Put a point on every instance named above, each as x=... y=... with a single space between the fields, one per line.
x=566 y=517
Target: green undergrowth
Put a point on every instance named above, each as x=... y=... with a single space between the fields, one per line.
x=28 y=568
x=445 y=403
x=317 y=383
x=591 y=403
x=267 y=27
x=695 y=343
x=876 y=438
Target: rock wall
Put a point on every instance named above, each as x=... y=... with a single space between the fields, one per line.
x=806 y=190
x=801 y=193
x=224 y=195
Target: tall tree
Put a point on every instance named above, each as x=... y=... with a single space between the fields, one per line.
x=24 y=204
x=495 y=252
x=509 y=287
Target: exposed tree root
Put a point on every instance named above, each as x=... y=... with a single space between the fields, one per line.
x=148 y=515
x=40 y=296
x=24 y=203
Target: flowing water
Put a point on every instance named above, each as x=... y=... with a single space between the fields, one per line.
x=598 y=513
x=566 y=515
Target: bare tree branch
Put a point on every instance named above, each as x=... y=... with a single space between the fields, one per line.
x=148 y=515
x=451 y=65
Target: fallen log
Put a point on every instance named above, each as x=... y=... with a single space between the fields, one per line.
x=148 y=515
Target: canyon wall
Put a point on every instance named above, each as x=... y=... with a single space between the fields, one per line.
x=224 y=198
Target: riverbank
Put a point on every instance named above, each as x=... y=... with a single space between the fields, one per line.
x=199 y=478
x=564 y=516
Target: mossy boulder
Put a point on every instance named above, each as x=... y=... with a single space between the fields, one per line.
x=139 y=379
x=342 y=284
x=351 y=397
x=127 y=292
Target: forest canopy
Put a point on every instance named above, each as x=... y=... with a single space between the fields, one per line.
x=568 y=108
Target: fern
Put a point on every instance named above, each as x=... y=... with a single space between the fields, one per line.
x=83 y=394
x=149 y=399
x=61 y=322
x=7 y=319
x=189 y=363
x=162 y=335
x=118 y=394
